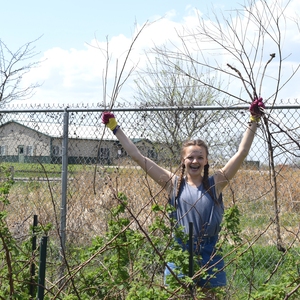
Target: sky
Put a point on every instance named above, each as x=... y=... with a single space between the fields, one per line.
x=68 y=33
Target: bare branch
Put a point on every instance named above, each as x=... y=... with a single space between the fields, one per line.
x=241 y=77
x=13 y=67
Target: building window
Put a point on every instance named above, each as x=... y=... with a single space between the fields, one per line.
x=21 y=150
x=29 y=150
x=3 y=150
x=122 y=153
x=152 y=154
x=104 y=153
x=55 y=150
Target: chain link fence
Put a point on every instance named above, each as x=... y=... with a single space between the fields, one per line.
x=45 y=146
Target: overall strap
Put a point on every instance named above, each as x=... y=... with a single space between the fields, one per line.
x=214 y=198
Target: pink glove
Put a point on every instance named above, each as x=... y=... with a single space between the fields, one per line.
x=256 y=109
x=109 y=120
x=106 y=116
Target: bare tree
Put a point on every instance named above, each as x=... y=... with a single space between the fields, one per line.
x=164 y=86
x=239 y=47
x=13 y=66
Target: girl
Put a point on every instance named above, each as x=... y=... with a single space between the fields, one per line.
x=196 y=196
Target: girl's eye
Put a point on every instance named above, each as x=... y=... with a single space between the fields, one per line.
x=192 y=158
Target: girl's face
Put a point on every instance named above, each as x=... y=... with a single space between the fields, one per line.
x=194 y=159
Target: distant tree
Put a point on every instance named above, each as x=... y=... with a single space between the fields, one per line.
x=177 y=97
x=13 y=66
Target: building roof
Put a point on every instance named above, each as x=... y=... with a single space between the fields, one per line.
x=82 y=132
x=55 y=130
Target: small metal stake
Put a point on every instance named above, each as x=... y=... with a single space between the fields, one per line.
x=42 y=268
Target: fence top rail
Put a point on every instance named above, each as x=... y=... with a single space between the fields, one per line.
x=160 y=108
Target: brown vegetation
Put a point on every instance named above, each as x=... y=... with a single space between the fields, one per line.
x=89 y=212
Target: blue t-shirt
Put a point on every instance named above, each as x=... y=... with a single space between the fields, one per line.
x=197 y=206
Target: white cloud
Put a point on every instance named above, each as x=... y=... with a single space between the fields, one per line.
x=76 y=76
x=73 y=76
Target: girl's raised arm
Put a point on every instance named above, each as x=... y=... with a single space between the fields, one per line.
x=157 y=173
x=224 y=175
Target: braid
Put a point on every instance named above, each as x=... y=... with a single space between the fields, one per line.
x=179 y=181
x=205 y=178
x=205 y=181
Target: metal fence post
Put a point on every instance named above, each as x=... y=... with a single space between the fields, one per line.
x=32 y=265
x=191 y=254
x=42 y=268
x=191 y=248
x=64 y=180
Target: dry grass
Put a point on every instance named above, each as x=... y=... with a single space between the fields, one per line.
x=89 y=211
x=254 y=192
x=89 y=202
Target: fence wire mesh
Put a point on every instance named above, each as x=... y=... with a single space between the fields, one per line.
x=98 y=168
